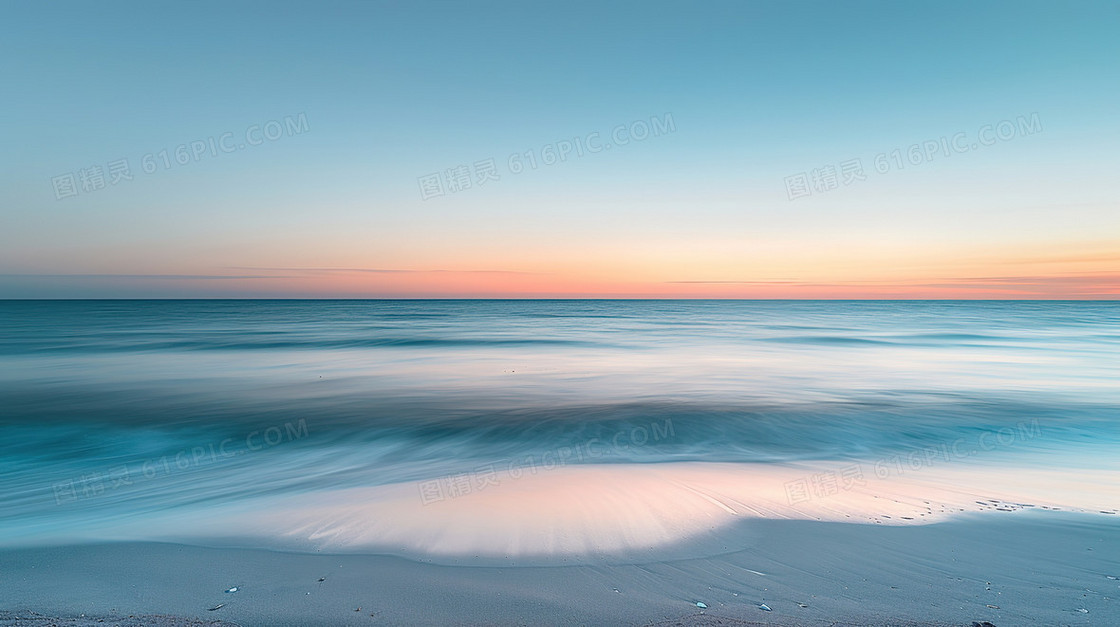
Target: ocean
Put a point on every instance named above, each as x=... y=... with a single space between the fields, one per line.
x=125 y=415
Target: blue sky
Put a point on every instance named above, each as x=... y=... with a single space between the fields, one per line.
x=391 y=92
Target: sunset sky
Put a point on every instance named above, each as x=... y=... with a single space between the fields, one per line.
x=766 y=150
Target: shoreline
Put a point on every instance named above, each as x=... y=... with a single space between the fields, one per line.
x=1027 y=568
x=602 y=513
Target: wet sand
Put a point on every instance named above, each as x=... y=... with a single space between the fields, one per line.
x=1009 y=568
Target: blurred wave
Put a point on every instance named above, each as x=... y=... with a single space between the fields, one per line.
x=115 y=409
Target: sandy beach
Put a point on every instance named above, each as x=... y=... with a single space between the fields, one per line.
x=1041 y=568
x=616 y=544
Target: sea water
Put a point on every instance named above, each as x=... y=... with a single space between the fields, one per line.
x=130 y=414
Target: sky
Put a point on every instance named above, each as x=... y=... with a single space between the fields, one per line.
x=560 y=149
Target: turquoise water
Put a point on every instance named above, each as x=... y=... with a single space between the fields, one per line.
x=117 y=411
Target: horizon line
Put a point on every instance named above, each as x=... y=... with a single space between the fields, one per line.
x=572 y=298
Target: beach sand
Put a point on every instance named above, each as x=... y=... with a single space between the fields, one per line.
x=1009 y=568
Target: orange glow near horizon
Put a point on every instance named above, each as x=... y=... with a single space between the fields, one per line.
x=755 y=271
x=1083 y=272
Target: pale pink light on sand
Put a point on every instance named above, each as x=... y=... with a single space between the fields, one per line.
x=619 y=508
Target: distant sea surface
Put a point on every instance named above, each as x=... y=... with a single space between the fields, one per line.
x=113 y=411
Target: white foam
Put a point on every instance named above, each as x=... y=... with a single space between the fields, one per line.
x=604 y=509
